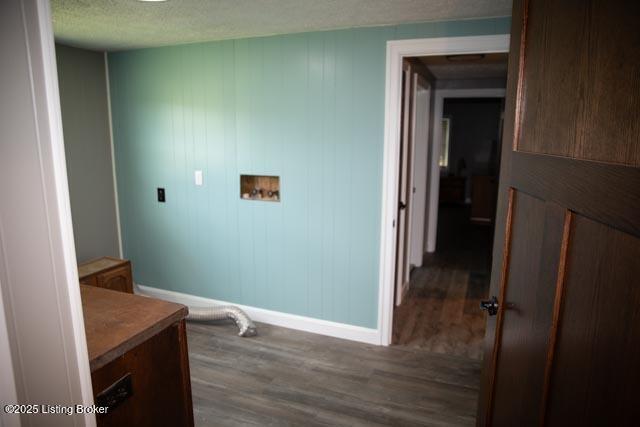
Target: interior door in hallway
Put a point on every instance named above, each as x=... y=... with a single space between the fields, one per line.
x=564 y=346
x=405 y=183
x=420 y=161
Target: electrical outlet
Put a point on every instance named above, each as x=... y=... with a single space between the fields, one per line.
x=161 y=197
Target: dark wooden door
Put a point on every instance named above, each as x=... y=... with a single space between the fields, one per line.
x=564 y=347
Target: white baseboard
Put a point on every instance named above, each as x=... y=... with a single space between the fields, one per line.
x=292 y=321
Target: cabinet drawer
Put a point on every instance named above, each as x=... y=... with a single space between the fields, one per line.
x=118 y=279
x=159 y=390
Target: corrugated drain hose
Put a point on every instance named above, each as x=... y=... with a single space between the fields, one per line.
x=223 y=312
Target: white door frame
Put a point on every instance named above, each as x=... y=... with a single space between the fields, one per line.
x=396 y=51
x=8 y=392
x=42 y=308
x=434 y=168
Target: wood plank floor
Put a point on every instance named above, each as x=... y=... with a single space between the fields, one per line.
x=440 y=313
x=287 y=377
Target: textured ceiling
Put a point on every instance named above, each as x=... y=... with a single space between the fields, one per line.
x=493 y=65
x=126 y=24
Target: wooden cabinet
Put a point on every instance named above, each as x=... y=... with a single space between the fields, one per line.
x=138 y=358
x=452 y=189
x=107 y=272
x=89 y=281
x=484 y=193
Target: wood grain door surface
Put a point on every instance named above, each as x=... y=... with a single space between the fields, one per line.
x=564 y=347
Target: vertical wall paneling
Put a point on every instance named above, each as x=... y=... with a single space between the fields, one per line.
x=314 y=181
x=342 y=189
x=327 y=196
x=308 y=108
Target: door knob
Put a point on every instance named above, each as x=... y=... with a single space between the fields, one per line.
x=491 y=306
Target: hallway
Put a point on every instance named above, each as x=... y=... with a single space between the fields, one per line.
x=441 y=313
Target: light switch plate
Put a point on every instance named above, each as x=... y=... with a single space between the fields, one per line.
x=198 y=177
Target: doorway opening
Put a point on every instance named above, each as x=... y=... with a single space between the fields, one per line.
x=449 y=126
x=440 y=312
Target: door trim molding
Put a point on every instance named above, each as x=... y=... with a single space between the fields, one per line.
x=557 y=311
x=44 y=319
x=504 y=279
x=396 y=51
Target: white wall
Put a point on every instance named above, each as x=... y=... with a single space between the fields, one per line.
x=38 y=274
x=87 y=142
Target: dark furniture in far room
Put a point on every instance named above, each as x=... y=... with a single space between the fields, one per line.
x=452 y=189
x=107 y=272
x=484 y=195
x=138 y=359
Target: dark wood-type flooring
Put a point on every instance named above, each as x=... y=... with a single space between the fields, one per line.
x=286 y=377
x=440 y=313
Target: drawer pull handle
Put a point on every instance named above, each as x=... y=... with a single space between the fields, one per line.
x=116 y=393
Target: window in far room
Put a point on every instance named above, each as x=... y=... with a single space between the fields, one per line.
x=444 y=148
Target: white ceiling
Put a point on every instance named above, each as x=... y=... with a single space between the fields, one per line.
x=126 y=24
x=490 y=66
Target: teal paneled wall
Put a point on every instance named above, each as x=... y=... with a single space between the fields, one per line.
x=308 y=107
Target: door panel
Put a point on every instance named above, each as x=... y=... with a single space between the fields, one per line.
x=536 y=236
x=609 y=113
x=596 y=365
x=546 y=64
x=565 y=344
x=582 y=51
